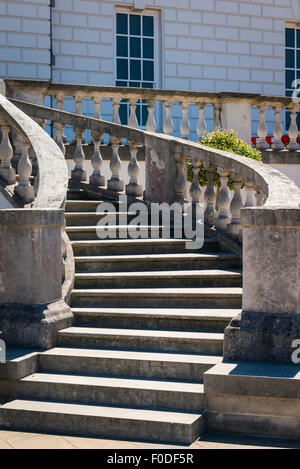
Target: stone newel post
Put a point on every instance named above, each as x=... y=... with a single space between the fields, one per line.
x=270 y=319
x=31 y=309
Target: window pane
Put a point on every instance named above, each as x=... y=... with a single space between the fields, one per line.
x=122 y=69
x=298 y=37
x=298 y=58
x=289 y=37
x=289 y=78
x=289 y=58
x=135 y=47
x=135 y=69
x=123 y=113
x=135 y=84
x=147 y=85
x=122 y=23
x=122 y=46
x=121 y=83
x=148 y=29
x=148 y=49
x=135 y=25
x=144 y=115
x=148 y=70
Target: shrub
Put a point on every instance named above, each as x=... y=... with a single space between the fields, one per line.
x=226 y=140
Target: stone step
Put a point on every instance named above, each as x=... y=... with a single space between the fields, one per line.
x=158 y=297
x=92 y=218
x=113 y=391
x=153 y=262
x=113 y=232
x=156 y=318
x=142 y=340
x=136 y=246
x=87 y=205
x=76 y=194
x=169 y=278
x=132 y=364
x=101 y=421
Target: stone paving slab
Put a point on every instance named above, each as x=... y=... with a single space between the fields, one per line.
x=23 y=440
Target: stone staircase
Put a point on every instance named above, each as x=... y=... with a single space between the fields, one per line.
x=149 y=321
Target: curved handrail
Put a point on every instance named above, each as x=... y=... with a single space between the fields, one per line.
x=53 y=171
x=281 y=191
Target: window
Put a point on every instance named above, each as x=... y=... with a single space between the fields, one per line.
x=135 y=58
x=292 y=65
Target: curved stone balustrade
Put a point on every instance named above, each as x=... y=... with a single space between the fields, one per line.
x=230 y=110
x=34 y=249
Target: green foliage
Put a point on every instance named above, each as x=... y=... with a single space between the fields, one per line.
x=225 y=140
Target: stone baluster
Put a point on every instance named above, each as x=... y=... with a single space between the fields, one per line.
x=277 y=129
x=260 y=197
x=217 y=116
x=116 y=107
x=133 y=188
x=132 y=122
x=195 y=188
x=97 y=179
x=168 y=125
x=97 y=105
x=151 y=124
x=262 y=130
x=24 y=189
x=293 y=130
x=180 y=181
x=201 y=124
x=250 y=187
x=78 y=172
x=223 y=201
x=185 y=125
x=78 y=103
x=59 y=130
x=6 y=153
x=210 y=196
x=235 y=227
x=115 y=183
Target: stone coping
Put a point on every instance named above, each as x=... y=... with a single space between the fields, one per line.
x=68 y=89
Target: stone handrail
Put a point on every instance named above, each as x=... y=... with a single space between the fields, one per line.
x=231 y=110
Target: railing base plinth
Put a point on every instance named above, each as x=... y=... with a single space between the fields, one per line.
x=97 y=180
x=78 y=175
x=26 y=193
x=135 y=190
x=261 y=337
x=34 y=326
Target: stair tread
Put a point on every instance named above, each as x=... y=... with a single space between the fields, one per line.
x=128 y=242
x=102 y=411
x=169 y=256
x=160 y=274
x=115 y=382
x=162 y=292
x=133 y=355
x=95 y=227
x=181 y=313
x=106 y=331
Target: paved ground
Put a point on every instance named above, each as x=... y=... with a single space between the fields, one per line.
x=22 y=440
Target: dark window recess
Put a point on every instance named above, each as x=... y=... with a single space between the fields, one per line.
x=122 y=23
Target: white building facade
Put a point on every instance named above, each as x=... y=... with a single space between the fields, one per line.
x=200 y=45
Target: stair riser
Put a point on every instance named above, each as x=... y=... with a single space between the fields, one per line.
x=92 y=235
x=139 y=249
x=140 y=282
x=119 y=321
x=85 y=425
x=209 y=347
x=136 y=301
x=110 y=396
x=191 y=372
x=153 y=265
